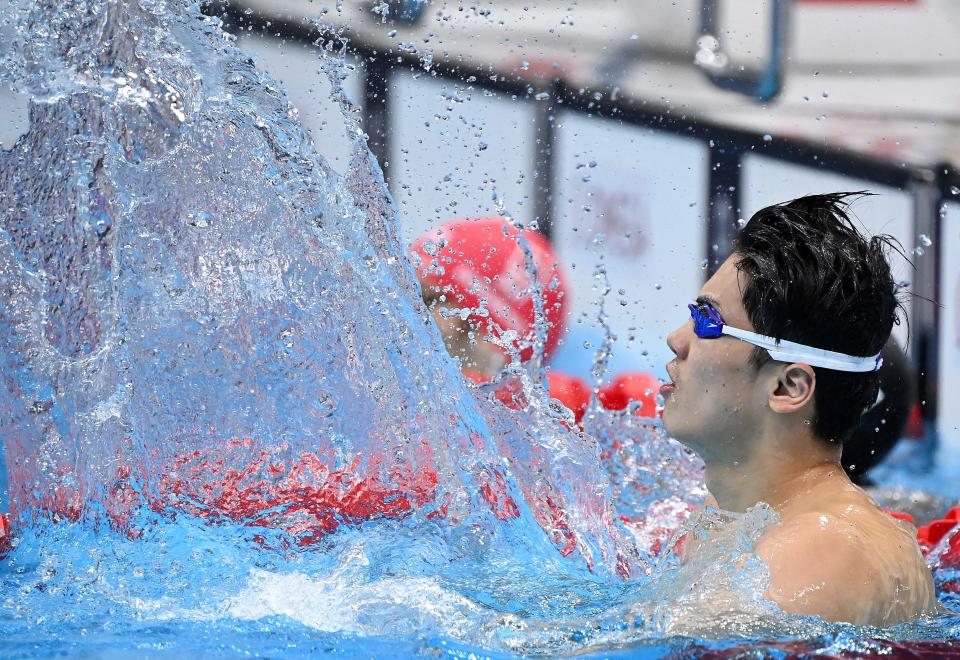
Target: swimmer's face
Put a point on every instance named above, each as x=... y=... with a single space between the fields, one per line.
x=463 y=340
x=716 y=399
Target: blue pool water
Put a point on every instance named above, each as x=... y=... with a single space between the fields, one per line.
x=230 y=426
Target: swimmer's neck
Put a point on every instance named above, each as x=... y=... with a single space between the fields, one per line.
x=776 y=472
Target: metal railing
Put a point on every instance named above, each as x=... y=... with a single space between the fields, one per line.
x=930 y=186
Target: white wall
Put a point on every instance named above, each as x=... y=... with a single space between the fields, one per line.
x=645 y=193
x=453 y=147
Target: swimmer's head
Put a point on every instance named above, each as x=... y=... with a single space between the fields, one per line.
x=799 y=272
x=473 y=277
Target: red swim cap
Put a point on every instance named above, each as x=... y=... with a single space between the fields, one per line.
x=474 y=260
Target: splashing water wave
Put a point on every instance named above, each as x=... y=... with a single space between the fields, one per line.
x=229 y=421
x=185 y=278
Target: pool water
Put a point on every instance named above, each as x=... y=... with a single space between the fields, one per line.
x=387 y=587
x=230 y=426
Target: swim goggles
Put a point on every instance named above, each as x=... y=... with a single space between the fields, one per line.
x=708 y=324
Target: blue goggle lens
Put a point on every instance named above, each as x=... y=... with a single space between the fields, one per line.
x=707 y=323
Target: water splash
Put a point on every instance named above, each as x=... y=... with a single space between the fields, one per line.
x=216 y=362
x=184 y=278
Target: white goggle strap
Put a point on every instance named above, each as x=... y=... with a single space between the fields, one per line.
x=789 y=351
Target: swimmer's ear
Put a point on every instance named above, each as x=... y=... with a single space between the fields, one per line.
x=795 y=386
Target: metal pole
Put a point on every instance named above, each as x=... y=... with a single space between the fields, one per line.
x=376 y=110
x=723 y=203
x=544 y=129
x=928 y=207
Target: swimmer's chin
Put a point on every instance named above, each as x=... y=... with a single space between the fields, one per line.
x=668 y=417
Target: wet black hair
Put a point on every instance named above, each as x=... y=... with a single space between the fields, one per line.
x=813 y=278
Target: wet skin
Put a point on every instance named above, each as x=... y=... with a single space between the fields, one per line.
x=834 y=553
x=463 y=338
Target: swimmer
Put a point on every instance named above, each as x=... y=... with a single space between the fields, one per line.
x=474 y=280
x=772 y=373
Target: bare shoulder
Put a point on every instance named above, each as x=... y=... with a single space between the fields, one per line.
x=826 y=537
x=851 y=563
x=812 y=557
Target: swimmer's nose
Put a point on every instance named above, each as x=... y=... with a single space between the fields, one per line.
x=677 y=342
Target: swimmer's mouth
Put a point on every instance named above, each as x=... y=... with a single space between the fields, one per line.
x=668 y=388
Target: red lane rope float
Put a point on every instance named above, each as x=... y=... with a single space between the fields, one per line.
x=930 y=537
x=628 y=387
x=572 y=392
x=493 y=489
x=301 y=495
x=4 y=535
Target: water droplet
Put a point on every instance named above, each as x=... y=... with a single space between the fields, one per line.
x=102 y=225
x=392 y=33
x=925 y=240
x=483 y=146
x=704 y=264
x=325 y=405
x=542 y=96
x=199 y=219
x=954 y=190
x=767 y=137
x=826 y=94
x=383 y=9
